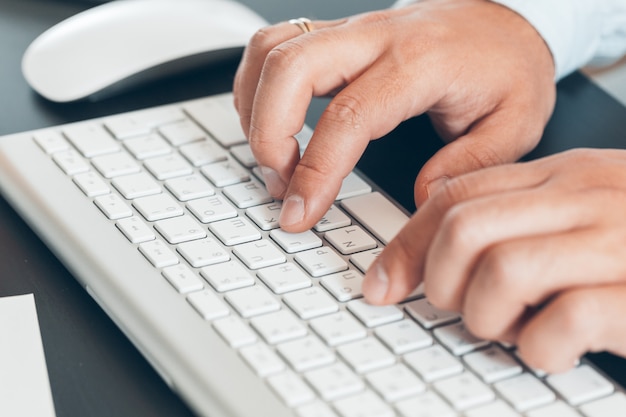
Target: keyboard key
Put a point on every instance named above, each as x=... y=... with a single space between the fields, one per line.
x=296 y=242
x=395 y=383
x=278 y=327
x=235 y=331
x=612 y=406
x=306 y=353
x=91 y=139
x=334 y=381
x=115 y=164
x=266 y=215
x=204 y=152
x=372 y=315
x=225 y=173
x=284 y=278
x=366 y=355
x=344 y=286
x=291 y=389
x=493 y=364
x=252 y=301
x=218 y=116
x=558 y=409
x=433 y=363
x=366 y=404
x=333 y=219
x=158 y=253
x=158 y=207
x=243 y=154
x=212 y=209
x=379 y=215
x=525 y=392
x=428 y=404
x=147 y=146
x=259 y=254
x=168 y=166
x=248 y=194
x=349 y=240
x=353 y=186
x=203 y=252
x=494 y=409
x=227 y=276
x=429 y=316
x=580 y=385
x=141 y=122
x=458 y=340
x=182 y=278
x=136 y=185
x=363 y=260
x=235 y=231
x=70 y=162
x=338 y=328
x=135 y=229
x=190 y=187
x=464 y=391
x=207 y=304
x=113 y=206
x=91 y=184
x=51 y=141
x=321 y=261
x=182 y=132
x=180 y=229
x=263 y=360
x=403 y=336
x=310 y=302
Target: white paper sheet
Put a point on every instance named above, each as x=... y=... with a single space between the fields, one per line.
x=24 y=383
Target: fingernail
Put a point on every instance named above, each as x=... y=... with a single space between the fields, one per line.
x=292 y=211
x=376 y=284
x=274 y=184
x=433 y=186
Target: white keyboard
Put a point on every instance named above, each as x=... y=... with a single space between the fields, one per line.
x=163 y=216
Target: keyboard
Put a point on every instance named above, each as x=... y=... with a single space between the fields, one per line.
x=162 y=215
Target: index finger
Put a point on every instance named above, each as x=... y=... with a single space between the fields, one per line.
x=293 y=72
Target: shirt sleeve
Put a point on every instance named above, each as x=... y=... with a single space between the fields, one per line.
x=578 y=32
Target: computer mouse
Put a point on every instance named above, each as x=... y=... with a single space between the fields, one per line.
x=111 y=47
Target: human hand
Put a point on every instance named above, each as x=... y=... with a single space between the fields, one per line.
x=482 y=73
x=531 y=253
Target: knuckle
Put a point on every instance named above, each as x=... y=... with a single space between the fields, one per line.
x=450 y=193
x=499 y=268
x=287 y=57
x=347 y=110
x=485 y=156
x=315 y=173
x=263 y=39
x=457 y=229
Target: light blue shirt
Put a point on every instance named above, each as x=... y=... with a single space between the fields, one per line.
x=578 y=32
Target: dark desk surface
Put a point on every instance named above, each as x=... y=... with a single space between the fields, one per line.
x=93 y=368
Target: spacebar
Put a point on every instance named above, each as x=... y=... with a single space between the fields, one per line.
x=379 y=215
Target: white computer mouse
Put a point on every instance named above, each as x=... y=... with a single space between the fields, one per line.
x=117 y=45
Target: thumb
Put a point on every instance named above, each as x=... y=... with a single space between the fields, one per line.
x=497 y=139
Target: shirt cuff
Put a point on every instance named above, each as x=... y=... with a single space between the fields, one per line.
x=570 y=28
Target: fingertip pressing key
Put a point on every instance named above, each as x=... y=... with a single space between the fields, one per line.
x=376 y=284
x=274 y=184
x=292 y=212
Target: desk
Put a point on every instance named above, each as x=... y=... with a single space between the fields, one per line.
x=94 y=370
